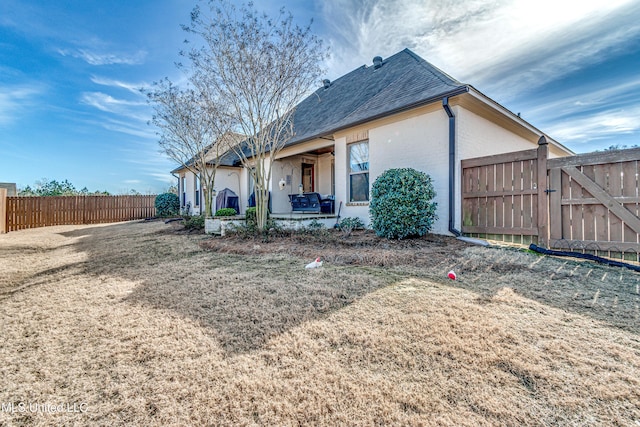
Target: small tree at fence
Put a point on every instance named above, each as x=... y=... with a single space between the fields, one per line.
x=261 y=68
x=194 y=131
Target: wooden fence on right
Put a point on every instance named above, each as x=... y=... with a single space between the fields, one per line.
x=17 y=213
x=588 y=203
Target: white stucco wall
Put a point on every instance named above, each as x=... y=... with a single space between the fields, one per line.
x=282 y=168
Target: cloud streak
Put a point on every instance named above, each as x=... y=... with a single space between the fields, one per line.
x=107 y=103
x=105 y=58
x=131 y=87
x=15 y=100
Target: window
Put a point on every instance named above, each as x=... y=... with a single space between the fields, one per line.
x=359 y=171
x=197 y=190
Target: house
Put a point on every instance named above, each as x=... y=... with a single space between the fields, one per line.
x=10 y=187
x=397 y=112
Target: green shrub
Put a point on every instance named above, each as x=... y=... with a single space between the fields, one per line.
x=225 y=212
x=348 y=224
x=401 y=204
x=195 y=222
x=167 y=204
x=250 y=217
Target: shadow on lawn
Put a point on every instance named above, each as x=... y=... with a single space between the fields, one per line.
x=604 y=293
x=243 y=301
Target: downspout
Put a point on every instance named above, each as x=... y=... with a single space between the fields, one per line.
x=452 y=166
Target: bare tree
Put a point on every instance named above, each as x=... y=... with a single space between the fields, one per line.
x=195 y=131
x=261 y=67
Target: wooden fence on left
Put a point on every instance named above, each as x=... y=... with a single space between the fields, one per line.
x=17 y=213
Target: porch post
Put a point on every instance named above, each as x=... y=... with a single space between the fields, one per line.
x=543 y=201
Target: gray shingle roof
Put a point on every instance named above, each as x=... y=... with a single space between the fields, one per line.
x=404 y=81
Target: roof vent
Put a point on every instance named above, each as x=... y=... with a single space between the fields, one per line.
x=377 y=62
x=326 y=83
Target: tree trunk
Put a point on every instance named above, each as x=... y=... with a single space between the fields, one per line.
x=208 y=202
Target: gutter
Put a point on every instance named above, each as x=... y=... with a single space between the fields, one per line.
x=452 y=166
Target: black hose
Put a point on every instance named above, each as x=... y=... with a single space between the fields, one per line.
x=584 y=256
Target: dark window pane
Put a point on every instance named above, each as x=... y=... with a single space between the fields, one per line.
x=359 y=187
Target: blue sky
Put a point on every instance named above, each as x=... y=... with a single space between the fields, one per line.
x=70 y=72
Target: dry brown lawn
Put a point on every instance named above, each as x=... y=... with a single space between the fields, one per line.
x=145 y=326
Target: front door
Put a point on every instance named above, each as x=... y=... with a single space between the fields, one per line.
x=308 y=178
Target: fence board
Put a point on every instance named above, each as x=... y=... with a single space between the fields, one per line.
x=3 y=210
x=29 y=212
x=555 y=206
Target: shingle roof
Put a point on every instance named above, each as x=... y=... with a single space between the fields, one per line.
x=404 y=81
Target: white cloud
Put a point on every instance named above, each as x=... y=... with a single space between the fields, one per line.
x=14 y=100
x=589 y=98
x=601 y=125
x=506 y=45
x=105 y=58
x=107 y=103
x=140 y=130
x=131 y=87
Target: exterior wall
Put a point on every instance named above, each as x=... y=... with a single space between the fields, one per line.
x=230 y=178
x=10 y=187
x=189 y=190
x=323 y=174
x=226 y=177
x=288 y=166
x=421 y=143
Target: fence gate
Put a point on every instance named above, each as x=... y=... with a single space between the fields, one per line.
x=594 y=205
x=588 y=203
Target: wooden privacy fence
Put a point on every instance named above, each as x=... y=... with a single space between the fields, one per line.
x=588 y=203
x=17 y=213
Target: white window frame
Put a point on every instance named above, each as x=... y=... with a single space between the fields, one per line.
x=351 y=173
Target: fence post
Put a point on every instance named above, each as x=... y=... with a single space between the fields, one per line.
x=543 y=201
x=3 y=210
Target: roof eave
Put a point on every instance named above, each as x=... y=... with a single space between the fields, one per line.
x=457 y=91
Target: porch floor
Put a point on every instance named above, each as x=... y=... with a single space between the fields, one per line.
x=302 y=216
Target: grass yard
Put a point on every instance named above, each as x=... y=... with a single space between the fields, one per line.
x=137 y=324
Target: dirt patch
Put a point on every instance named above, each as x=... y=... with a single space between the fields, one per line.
x=362 y=247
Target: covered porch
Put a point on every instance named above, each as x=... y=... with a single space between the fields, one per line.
x=303 y=184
